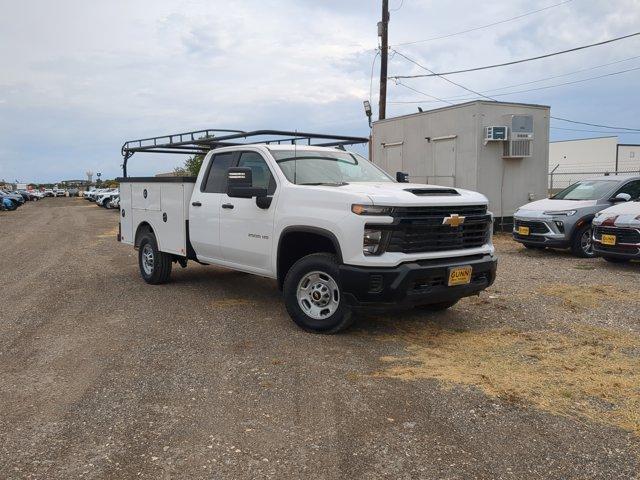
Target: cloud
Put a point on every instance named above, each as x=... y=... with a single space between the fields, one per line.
x=86 y=76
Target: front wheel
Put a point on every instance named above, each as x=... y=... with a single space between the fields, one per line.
x=313 y=296
x=582 y=243
x=155 y=266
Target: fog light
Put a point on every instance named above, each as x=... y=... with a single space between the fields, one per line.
x=560 y=226
x=372 y=241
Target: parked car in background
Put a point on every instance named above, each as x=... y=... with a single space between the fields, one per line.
x=7 y=203
x=10 y=202
x=115 y=202
x=73 y=192
x=48 y=192
x=616 y=232
x=19 y=199
x=104 y=198
x=564 y=220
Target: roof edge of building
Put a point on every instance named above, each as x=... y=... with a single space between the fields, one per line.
x=465 y=104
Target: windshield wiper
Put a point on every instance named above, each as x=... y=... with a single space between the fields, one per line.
x=328 y=184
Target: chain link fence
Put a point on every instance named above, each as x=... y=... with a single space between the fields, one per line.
x=559 y=180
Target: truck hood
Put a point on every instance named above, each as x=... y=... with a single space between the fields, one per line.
x=556 y=205
x=412 y=194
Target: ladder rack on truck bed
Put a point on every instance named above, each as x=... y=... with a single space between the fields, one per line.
x=202 y=141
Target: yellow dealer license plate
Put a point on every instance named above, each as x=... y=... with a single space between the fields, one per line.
x=523 y=231
x=609 y=239
x=460 y=275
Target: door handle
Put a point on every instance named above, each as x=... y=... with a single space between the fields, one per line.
x=227 y=205
x=196 y=204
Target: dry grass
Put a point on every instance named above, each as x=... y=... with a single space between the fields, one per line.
x=592 y=373
x=575 y=297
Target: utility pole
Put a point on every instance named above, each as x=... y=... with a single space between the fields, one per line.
x=383 y=31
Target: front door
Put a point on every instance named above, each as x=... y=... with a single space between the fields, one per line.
x=246 y=230
x=204 y=211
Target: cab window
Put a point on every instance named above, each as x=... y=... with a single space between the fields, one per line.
x=260 y=172
x=216 y=178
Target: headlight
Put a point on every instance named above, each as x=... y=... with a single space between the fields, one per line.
x=372 y=241
x=370 y=210
x=563 y=213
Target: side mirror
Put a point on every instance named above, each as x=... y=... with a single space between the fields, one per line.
x=621 y=197
x=240 y=184
x=402 y=177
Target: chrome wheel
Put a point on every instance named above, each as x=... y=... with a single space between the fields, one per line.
x=318 y=295
x=586 y=242
x=147 y=259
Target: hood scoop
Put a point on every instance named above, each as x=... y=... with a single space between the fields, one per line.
x=433 y=192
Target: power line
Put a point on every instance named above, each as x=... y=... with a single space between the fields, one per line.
x=423 y=93
x=493 y=99
x=620 y=72
x=594 y=131
x=514 y=62
x=554 y=76
x=440 y=76
x=596 y=125
x=482 y=26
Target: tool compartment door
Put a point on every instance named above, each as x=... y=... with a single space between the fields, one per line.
x=146 y=196
x=126 y=214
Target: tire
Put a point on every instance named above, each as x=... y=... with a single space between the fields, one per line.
x=582 y=243
x=437 y=307
x=533 y=247
x=316 y=275
x=616 y=259
x=155 y=266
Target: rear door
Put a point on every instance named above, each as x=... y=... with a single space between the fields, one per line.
x=204 y=211
x=246 y=230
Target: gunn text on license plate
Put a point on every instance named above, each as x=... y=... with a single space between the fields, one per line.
x=523 y=231
x=460 y=275
x=609 y=239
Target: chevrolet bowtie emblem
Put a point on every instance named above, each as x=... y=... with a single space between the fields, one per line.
x=454 y=220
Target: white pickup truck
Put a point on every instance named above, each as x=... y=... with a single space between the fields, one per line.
x=336 y=232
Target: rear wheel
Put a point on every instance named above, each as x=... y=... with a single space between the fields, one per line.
x=437 y=307
x=582 y=243
x=313 y=296
x=155 y=266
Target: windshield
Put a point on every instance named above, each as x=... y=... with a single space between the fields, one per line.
x=586 y=190
x=307 y=167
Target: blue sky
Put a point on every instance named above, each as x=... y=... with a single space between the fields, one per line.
x=81 y=77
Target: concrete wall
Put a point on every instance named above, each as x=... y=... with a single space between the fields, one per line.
x=446 y=147
x=585 y=155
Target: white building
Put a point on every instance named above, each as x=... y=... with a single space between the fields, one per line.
x=573 y=160
x=499 y=149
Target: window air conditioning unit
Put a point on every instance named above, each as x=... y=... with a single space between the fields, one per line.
x=496 y=133
x=520 y=139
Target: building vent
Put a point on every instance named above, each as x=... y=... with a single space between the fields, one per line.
x=433 y=192
x=517 y=149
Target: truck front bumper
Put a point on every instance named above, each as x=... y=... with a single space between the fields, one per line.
x=414 y=283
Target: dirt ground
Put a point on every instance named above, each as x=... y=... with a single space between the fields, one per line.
x=104 y=376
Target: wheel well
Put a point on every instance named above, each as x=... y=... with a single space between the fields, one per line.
x=296 y=244
x=143 y=228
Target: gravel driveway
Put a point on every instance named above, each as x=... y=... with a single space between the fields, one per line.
x=103 y=376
